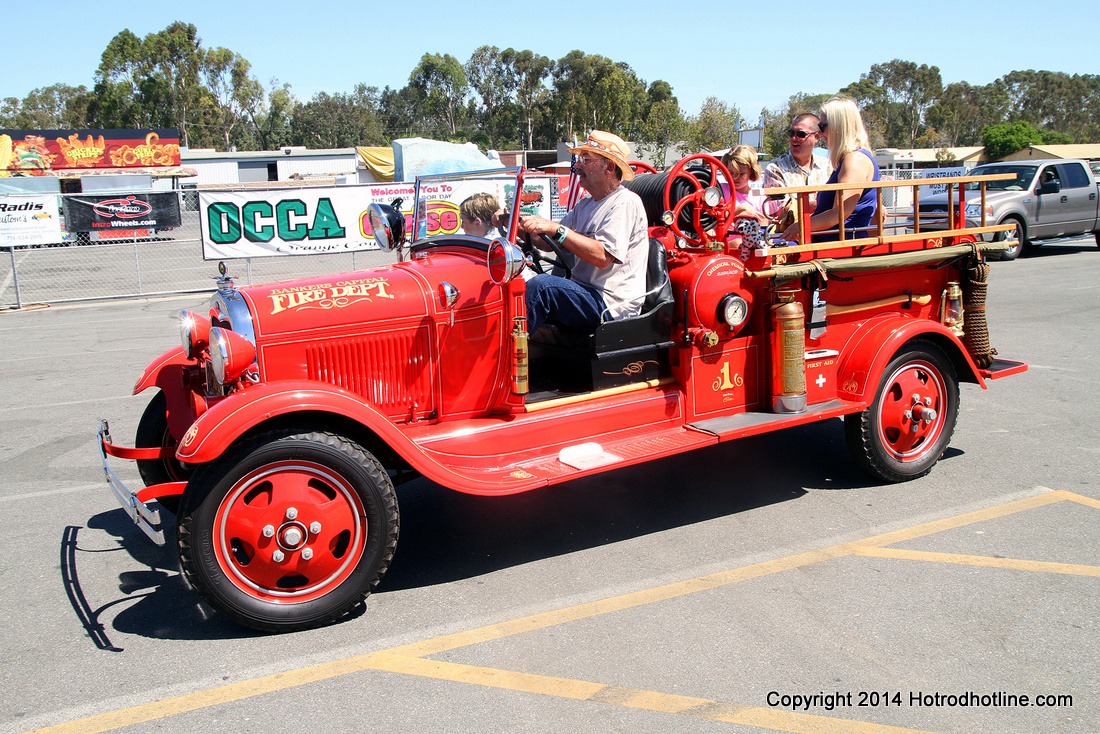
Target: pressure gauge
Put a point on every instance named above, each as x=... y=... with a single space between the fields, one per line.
x=733 y=310
x=712 y=196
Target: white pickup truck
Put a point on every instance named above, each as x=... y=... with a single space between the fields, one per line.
x=1047 y=199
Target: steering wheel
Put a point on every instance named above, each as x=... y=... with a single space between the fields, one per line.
x=640 y=167
x=722 y=212
x=538 y=257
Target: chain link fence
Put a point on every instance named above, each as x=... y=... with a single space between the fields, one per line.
x=168 y=262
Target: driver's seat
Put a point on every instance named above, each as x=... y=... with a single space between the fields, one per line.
x=618 y=352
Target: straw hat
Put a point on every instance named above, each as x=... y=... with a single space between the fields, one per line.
x=609 y=146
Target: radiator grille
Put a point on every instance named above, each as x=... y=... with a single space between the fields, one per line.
x=391 y=371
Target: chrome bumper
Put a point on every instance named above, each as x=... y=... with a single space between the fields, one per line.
x=144 y=516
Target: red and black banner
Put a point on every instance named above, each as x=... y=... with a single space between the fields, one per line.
x=47 y=152
x=160 y=210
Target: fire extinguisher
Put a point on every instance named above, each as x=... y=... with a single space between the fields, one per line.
x=788 y=353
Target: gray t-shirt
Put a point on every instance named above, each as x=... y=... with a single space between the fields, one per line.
x=618 y=222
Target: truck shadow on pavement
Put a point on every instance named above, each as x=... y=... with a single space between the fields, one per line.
x=448 y=536
x=155 y=600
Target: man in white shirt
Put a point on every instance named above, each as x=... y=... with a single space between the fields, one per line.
x=607 y=232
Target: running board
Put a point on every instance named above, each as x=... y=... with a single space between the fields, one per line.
x=749 y=424
x=1002 y=368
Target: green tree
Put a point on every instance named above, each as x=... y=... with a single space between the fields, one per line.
x=716 y=126
x=339 y=120
x=234 y=92
x=56 y=107
x=662 y=131
x=441 y=83
x=175 y=57
x=777 y=122
x=1007 y=138
x=529 y=69
x=494 y=81
x=119 y=99
x=893 y=98
x=269 y=121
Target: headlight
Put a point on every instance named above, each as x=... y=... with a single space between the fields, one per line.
x=387 y=225
x=194 y=333
x=505 y=261
x=973 y=211
x=230 y=354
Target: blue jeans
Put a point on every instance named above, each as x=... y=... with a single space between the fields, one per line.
x=563 y=302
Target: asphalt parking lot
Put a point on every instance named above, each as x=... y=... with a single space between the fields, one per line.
x=765 y=585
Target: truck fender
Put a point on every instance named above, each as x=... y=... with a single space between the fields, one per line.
x=167 y=373
x=866 y=354
x=226 y=421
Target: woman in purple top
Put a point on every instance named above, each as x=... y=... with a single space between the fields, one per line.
x=846 y=139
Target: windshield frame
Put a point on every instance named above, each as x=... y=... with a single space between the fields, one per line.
x=420 y=210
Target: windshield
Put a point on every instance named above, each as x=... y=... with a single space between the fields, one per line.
x=1024 y=174
x=480 y=203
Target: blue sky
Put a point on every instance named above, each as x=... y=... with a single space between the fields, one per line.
x=747 y=55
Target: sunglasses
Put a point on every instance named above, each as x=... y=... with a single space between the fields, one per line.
x=822 y=125
x=800 y=134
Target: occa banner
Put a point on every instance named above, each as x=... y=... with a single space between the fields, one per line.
x=148 y=211
x=310 y=221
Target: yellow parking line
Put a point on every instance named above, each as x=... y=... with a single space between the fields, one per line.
x=661 y=593
x=702 y=708
x=408 y=659
x=988 y=561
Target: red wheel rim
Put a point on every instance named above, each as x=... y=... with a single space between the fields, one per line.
x=290 y=532
x=911 y=411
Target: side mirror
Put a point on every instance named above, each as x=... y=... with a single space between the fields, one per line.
x=387 y=225
x=1048 y=187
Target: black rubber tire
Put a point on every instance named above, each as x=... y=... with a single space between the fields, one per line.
x=152 y=431
x=879 y=437
x=1020 y=236
x=228 y=497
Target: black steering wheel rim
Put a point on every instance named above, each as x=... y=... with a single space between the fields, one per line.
x=538 y=256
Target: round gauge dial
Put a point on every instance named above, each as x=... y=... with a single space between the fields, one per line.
x=733 y=310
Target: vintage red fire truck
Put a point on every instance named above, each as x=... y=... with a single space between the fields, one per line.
x=280 y=426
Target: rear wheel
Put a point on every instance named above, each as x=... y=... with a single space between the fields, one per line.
x=289 y=531
x=909 y=424
x=152 y=432
x=1019 y=234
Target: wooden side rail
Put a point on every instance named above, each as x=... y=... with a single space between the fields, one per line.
x=953 y=209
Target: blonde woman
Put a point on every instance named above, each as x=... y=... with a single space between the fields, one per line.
x=853 y=162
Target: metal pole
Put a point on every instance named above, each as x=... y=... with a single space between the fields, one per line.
x=137 y=263
x=15 y=277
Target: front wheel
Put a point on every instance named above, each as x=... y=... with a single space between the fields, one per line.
x=909 y=424
x=1019 y=234
x=289 y=531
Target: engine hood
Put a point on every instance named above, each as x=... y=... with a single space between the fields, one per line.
x=394 y=294
x=972 y=197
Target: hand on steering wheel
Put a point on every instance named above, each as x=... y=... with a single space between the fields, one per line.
x=538 y=256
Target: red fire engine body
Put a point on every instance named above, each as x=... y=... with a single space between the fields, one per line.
x=281 y=425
